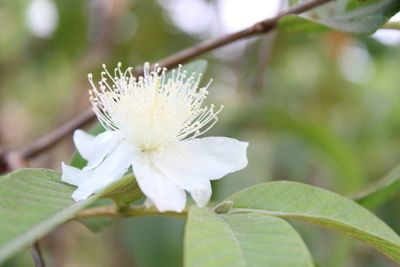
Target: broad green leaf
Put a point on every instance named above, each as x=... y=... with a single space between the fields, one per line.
x=32 y=203
x=249 y=239
x=354 y=16
x=318 y=206
x=381 y=191
x=153 y=241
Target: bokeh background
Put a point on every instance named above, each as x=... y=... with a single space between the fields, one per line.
x=321 y=108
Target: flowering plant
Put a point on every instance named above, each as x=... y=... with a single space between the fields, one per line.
x=147 y=152
x=153 y=124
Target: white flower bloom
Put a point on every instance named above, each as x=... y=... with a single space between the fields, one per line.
x=152 y=124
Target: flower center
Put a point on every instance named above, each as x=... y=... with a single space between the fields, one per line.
x=152 y=112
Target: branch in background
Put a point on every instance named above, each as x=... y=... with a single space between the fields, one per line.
x=261 y=27
x=37 y=255
x=52 y=138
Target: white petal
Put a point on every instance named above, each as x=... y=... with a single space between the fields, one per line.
x=192 y=163
x=83 y=141
x=165 y=195
x=95 y=148
x=215 y=157
x=107 y=172
x=71 y=175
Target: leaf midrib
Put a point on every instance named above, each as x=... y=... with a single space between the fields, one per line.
x=237 y=242
x=328 y=223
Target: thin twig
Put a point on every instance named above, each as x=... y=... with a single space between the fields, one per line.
x=37 y=255
x=261 y=27
x=52 y=138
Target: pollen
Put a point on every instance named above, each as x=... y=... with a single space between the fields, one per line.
x=154 y=110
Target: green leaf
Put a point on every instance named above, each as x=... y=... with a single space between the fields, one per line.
x=381 y=191
x=124 y=191
x=198 y=66
x=242 y=240
x=32 y=203
x=318 y=206
x=354 y=16
x=297 y=24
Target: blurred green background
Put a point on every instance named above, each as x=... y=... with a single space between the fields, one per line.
x=320 y=108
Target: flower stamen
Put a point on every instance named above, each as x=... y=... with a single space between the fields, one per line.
x=153 y=110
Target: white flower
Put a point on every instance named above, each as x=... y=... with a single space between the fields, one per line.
x=152 y=124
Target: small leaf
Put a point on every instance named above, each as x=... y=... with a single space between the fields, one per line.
x=381 y=191
x=298 y=24
x=318 y=206
x=353 y=16
x=124 y=191
x=242 y=240
x=32 y=203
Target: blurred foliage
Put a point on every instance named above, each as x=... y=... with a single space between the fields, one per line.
x=324 y=110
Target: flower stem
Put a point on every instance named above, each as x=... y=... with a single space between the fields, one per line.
x=392 y=26
x=132 y=211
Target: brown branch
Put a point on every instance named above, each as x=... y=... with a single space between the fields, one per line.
x=260 y=27
x=52 y=138
x=37 y=255
x=183 y=56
